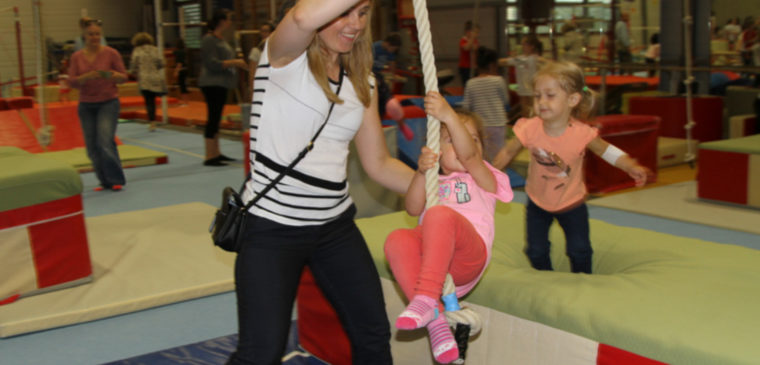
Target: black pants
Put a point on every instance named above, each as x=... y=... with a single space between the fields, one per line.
x=150 y=103
x=182 y=81
x=574 y=223
x=625 y=56
x=464 y=75
x=267 y=273
x=215 y=97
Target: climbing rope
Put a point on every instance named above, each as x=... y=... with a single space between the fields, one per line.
x=44 y=134
x=688 y=22
x=465 y=321
x=431 y=84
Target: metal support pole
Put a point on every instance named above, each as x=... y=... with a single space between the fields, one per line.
x=182 y=30
x=19 y=51
x=43 y=133
x=160 y=45
x=603 y=92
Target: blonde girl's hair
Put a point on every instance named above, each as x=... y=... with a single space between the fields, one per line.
x=475 y=119
x=572 y=80
x=357 y=64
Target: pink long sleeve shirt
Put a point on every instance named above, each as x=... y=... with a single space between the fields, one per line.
x=100 y=89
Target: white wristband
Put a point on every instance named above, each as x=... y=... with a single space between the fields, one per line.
x=612 y=154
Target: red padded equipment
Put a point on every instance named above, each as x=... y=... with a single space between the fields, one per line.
x=634 y=134
x=319 y=329
x=707 y=112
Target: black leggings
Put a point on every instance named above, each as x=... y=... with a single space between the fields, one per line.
x=574 y=223
x=215 y=97
x=150 y=103
x=182 y=81
x=267 y=273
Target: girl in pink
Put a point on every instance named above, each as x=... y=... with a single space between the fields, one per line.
x=557 y=140
x=453 y=237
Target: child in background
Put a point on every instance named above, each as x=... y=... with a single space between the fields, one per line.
x=453 y=237
x=525 y=66
x=653 y=53
x=487 y=96
x=148 y=65
x=468 y=44
x=557 y=140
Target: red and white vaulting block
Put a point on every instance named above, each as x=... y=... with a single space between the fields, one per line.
x=729 y=171
x=43 y=240
x=742 y=125
x=43 y=247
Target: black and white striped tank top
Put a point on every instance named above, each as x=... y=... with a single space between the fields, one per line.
x=287 y=109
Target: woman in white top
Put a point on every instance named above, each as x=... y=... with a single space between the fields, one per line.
x=320 y=53
x=148 y=65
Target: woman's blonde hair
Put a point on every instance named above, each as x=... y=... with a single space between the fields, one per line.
x=357 y=64
x=141 y=39
x=572 y=80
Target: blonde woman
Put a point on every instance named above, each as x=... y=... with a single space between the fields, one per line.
x=320 y=53
x=148 y=65
x=95 y=70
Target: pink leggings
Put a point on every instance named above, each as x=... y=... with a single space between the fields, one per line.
x=446 y=243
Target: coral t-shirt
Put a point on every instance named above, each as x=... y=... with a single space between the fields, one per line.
x=555 y=173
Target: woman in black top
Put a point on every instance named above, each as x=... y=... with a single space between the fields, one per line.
x=217 y=76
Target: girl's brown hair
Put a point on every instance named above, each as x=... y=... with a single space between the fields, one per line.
x=357 y=64
x=572 y=80
x=141 y=39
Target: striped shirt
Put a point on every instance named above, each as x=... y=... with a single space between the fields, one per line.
x=288 y=108
x=487 y=96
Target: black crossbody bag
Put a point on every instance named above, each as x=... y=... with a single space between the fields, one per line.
x=228 y=224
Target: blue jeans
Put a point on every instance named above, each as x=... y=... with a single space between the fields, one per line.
x=98 y=122
x=574 y=223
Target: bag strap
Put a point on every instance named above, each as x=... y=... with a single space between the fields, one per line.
x=301 y=155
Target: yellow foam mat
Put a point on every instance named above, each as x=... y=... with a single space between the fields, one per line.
x=131 y=156
x=140 y=259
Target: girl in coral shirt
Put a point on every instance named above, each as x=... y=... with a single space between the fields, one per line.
x=557 y=140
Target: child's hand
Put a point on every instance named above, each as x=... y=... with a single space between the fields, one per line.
x=438 y=107
x=427 y=159
x=640 y=174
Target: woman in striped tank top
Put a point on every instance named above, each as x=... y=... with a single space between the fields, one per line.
x=319 y=54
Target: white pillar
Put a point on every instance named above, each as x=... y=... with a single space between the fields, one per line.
x=160 y=44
